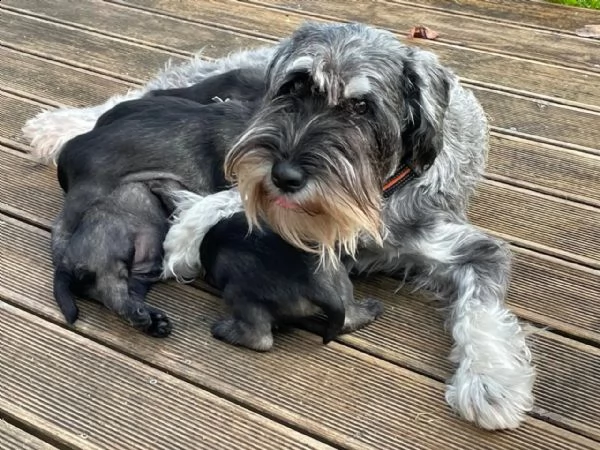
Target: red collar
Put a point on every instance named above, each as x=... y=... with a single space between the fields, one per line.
x=403 y=175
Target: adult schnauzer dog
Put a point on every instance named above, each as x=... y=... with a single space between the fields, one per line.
x=365 y=144
x=210 y=235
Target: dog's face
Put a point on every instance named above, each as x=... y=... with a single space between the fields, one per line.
x=345 y=104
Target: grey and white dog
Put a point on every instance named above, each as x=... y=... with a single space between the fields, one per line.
x=347 y=108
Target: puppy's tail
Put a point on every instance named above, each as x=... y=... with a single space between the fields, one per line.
x=336 y=317
x=63 y=295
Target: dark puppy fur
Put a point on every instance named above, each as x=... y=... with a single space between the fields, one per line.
x=113 y=255
x=107 y=240
x=287 y=286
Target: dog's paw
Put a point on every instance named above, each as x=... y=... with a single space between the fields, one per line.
x=493 y=399
x=359 y=314
x=160 y=326
x=373 y=307
x=151 y=321
x=237 y=333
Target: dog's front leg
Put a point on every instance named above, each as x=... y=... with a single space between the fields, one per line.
x=493 y=382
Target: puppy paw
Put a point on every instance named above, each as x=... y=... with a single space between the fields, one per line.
x=160 y=326
x=238 y=333
x=373 y=307
x=151 y=321
x=362 y=313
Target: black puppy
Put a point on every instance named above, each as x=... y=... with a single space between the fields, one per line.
x=113 y=254
x=265 y=281
x=107 y=240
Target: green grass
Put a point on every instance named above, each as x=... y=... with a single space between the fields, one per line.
x=593 y=4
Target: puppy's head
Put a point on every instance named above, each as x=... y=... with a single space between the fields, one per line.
x=345 y=106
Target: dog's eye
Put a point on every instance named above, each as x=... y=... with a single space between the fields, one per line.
x=360 y=107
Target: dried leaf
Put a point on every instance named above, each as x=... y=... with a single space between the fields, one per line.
x=591 y=31
x=422 y=32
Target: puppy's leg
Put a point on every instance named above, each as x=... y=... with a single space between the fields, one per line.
x=160 y=325
x=493 y=383
x=114 y=293
x=334 y=294
x=250 y=324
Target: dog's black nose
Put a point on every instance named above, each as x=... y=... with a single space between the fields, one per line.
x=288 y=177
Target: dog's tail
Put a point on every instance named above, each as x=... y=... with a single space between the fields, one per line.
x=63 y=295
x=336 y=317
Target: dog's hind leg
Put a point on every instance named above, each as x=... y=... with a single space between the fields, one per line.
x=160 y=325
x=250 y=324
x=493 y=383
x=114 y=293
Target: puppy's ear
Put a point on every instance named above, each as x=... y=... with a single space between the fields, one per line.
x=425 y=89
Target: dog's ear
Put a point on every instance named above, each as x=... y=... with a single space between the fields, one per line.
x=425 y=89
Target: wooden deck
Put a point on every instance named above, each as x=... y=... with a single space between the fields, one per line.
x=101 y=386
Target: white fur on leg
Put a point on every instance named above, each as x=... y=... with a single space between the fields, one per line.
x=193 y=217
x=493 y=383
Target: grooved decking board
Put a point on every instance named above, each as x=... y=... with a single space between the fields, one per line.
x=13 y=438
x=470 y=32
x=85 y=48
x=506 y=111
x=13 y=114
x=93 y=394
x=37 y=77
x=514 y=73
x=569 y=228
x=569 y=172
x=30 y=190
x=354 y=399
x=527 y=12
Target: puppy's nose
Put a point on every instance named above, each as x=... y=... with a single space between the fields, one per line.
x=288 y=177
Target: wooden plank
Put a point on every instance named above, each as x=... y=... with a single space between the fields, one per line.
x=520 y=115
x=135 y=25
x=356 y=400
x=566 y=229
x=568 y=174
x=14 y=111
x=518 y=75
x=537 y=119
x=96 y=395
x=13 y=438
x=541 y=14
x=88 y=50
x=30 y=190
x=36 y=77
x=483 y=34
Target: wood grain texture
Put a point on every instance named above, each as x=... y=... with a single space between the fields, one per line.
x=13 y=438
x=571 y=174
x=91 y=393
x=135 y=25
x=528 y=117
x=567 y=227
x=357 y=401
x=483 y=34
x=54 y=82
x=526 y=12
